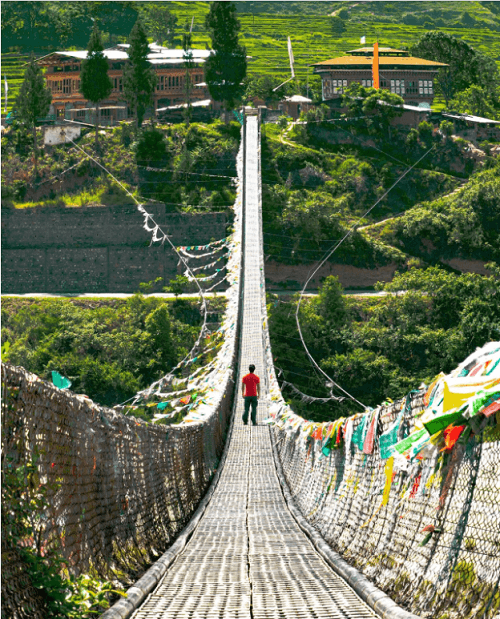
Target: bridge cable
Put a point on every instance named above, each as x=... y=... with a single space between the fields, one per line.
x=320 y=264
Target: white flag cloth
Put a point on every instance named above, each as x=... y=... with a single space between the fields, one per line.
x=363 y=40
x=290 y=54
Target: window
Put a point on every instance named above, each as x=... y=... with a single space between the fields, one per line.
x=338 y=86
x=398 y=87
x=367 y=83
x=76 y=85
x=56 y=86
x=80 y=113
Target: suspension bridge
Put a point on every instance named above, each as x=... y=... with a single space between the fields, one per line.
x=237 y=545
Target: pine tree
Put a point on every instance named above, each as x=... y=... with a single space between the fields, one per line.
x=226 y=68
x=95 y=82
x=33 y=101
x=139 y=77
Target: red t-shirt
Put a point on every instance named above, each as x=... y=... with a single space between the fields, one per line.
x=250 y=381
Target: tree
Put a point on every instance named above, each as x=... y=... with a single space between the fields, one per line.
x=379 y=106
x=263 y=88
x=226 y=68
x=95 y=82
x=466 y=66
x=337 y=24
x=33 y=101
x=161 y=24
x=474 y=100
x=139 y=77
x=331 y=304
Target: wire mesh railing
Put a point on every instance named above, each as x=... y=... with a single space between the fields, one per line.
x=425 y=528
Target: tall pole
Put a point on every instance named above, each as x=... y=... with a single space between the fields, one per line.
x=375 y=72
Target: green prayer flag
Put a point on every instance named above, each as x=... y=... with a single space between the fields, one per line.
x=389 y=439
x=407 y=442
x=443 y=421
x=61 y=382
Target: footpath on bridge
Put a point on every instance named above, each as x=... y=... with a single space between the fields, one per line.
x=248 y=558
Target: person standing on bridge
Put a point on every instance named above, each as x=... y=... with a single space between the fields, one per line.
x=251 y=394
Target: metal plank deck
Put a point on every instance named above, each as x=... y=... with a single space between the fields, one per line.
x=248 y=558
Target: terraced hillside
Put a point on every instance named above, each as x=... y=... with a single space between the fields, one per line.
x=13 y=67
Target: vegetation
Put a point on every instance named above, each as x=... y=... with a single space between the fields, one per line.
x=466 y=66
x=463 y=225
x=195 y=168
x=60 y=595
x=95 y=82
x=33 y=102
x=382 y=347
x=109 y=349
x=160 y=23
x=226 y=68
x=139 y=77
x=321 y=179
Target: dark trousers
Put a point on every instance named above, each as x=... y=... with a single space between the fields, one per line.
x=250 y=400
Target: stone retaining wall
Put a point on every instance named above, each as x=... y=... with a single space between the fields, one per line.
x=94 y=249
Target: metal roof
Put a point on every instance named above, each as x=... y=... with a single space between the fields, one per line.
x=297 y=99
x=386 y=61
x=158 y=54
x=380 y=49
x=471 y=118
x=202 y=103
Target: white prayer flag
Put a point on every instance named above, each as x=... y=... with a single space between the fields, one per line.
x=6 y=90
x=290 y=54
x=363 y=40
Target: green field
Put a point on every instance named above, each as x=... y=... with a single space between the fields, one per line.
x=13 y=70
x=265 y=34
x=265 y=27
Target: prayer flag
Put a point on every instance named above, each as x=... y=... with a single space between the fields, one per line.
x=61 y=382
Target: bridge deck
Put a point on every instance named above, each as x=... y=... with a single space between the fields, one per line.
x=248 y=558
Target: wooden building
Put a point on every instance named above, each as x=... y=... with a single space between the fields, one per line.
x=63 y=78
x=411 y=78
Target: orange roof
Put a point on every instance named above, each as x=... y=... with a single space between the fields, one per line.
x=383 y=60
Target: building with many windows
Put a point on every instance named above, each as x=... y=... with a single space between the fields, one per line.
x=411 y=78
x=63 y=78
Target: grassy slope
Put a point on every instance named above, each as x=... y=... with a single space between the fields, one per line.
x=212 y=149
x=313 y=193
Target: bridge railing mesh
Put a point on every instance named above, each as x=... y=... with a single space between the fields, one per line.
x=430 y=536
x=118 y=490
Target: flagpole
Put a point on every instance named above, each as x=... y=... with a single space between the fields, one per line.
x=375 y=72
